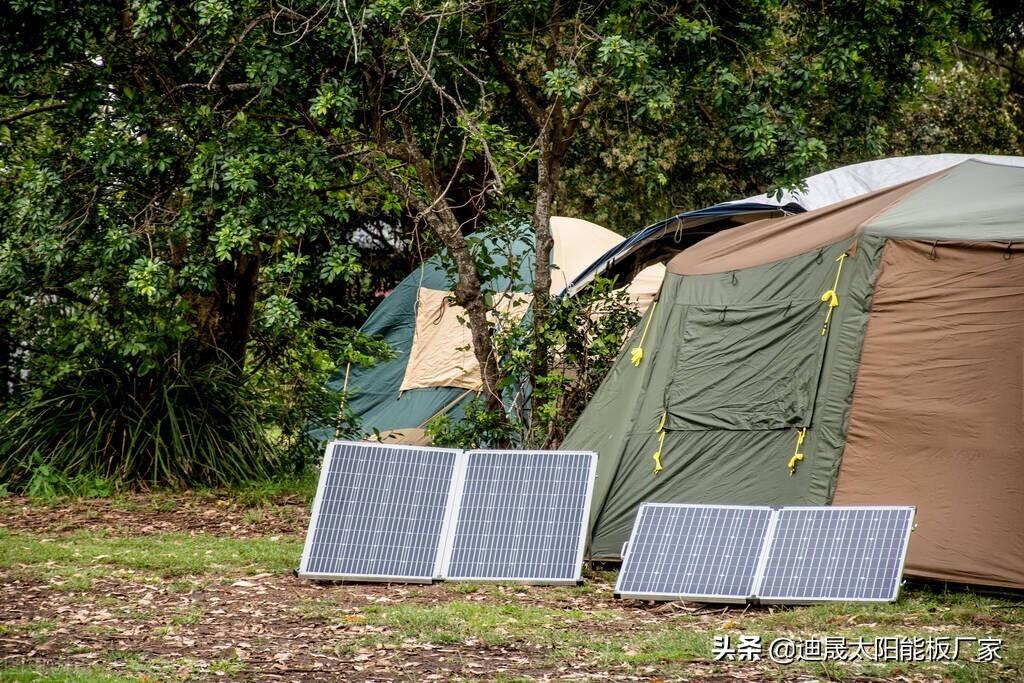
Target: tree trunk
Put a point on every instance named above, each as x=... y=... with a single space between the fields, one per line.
x=468 y=294
x=234 y=299
x=550 y=148
x=440 y=218
x=548 y=170
x=239 y=328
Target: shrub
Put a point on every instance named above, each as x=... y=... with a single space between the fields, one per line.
x=177 y=425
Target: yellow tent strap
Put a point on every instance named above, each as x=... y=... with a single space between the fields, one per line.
x=341 y=402
x=831 y=296
x=637 y=354
x=661 y=443
x=797 y=455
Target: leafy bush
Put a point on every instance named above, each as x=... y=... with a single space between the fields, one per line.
x=178 y=425
x=49 y=484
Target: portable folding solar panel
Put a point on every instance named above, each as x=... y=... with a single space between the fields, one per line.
x=522 y=516
x=791 y=555
x=697 y=552
x=822 y=554
x=380 y=513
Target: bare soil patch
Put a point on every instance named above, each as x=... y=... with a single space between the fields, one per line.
x=139 y=514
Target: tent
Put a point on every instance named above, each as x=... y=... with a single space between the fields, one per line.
x=664 y=239
x=434 y=371
x=437 y=374
x=867 y=352
x=850 y=181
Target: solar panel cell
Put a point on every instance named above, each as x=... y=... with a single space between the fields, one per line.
x=697 y=552
x=836 y=553
x=718 y=553
x=522 y=516
x=379 y=513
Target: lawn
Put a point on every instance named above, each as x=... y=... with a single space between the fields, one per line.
x=198 y=586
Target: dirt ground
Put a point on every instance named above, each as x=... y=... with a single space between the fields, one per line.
x=268 y=626
x=141 y=514
x=240 y=623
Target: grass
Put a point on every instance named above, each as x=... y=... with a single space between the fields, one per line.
x=612 y=639
x=261 y=492
x=920 y=613
x=25 y=674
x=38 y=629
x=251 y=494
x=170 y=555
x=601 y=637
x=486 y=623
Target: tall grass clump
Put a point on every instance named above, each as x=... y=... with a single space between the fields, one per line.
x=174 y=426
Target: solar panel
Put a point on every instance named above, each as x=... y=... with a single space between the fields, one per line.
x=836 y=553
x=522 y=516
x=380 y=513
x=698 y=552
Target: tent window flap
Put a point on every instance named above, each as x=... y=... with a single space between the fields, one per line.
x=751 y=366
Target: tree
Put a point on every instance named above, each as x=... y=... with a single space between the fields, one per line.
x=473 y=110
x=182 y=185
x=158 y=233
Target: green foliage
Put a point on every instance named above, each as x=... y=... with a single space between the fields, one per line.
x=586 y=333
x=762 y=95
x=198 y=202
x=963 y=109
x=179 y=252
x=47 y=483
x=262 y=492
x=172 y=427
x=478 y=428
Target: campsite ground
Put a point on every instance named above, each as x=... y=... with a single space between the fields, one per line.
x=195 y=586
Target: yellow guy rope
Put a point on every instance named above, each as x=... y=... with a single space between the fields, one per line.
x=637 y=354
x=797 y=455
x=661 y=443
x=831 y=296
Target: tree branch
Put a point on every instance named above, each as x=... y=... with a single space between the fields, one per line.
x=509 y=77
x=234 y=46
x=29 y=111
x=469 y=119
x=986 y=58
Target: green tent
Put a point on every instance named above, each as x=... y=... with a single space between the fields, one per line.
x=434 y=371
x=869 y=352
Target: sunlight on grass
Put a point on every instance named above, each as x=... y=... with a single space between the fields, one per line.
x=169 y=555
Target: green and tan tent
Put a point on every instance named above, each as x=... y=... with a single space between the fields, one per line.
x=434 y=371
x=869 y=352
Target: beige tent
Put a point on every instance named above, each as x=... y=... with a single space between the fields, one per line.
x=435 y=370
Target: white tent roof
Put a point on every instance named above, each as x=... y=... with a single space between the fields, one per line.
x=850 y=181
